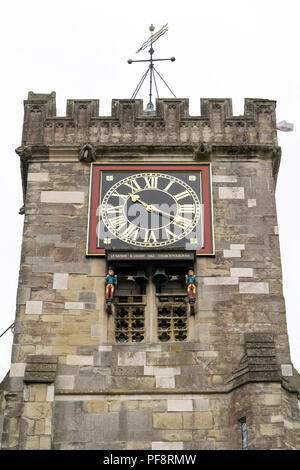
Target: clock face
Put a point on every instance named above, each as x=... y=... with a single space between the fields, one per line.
x=146 y=207
x=150 y=210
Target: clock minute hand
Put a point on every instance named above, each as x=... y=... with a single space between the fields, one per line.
x=176 y=219
x=150 y=208
x=163 y=212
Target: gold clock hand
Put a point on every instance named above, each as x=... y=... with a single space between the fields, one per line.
x=135 y=198
x=177 y=220
x=150 y=208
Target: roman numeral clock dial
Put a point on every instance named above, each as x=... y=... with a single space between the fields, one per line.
x=149 y=207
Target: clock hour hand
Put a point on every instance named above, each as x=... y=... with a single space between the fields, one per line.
x=135 y=198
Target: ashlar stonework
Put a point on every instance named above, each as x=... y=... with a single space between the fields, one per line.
x=71 y=384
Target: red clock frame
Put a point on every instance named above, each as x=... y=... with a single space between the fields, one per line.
x=93 y=217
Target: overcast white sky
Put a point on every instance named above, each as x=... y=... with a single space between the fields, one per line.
x=224 y=49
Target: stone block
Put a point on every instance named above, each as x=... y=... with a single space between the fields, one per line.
x=35 y=392
x=105 y=348
x=167 y=421
x=224 y=179
x=251 y=202
x=40 y=369
x=71 y=197
x=232 y=253
x=159 y=445
x=34 y=307
x=165 y=382
x=269 y=399
x=231 y=193
x=32 y=443
x=201 y=404
x=106 y=358
x=96 y=331
x=37 y=177
x=17 y=369
x=50 y=393
x=38 y=259
x=198 y=420
x=241 y=272
x=65 y=382
x=60 y=267
x=163 y=371
x=60 y=281
x=170 y=358
x=132 y=358
x=23 y=294
x=220 y=281
x=74 y=306
x=73 y=359
x=180 y=405
x=45 y=443
x=136 y=425
x=37 y=410
x=86 y=296
x=87 y=383
x=79 y=282
x=287 y=370
x=271 y=430
x=95 y=406
x=237 y=246
x=48 y=238
x=177 y=435
x=42 y=359
x=254 y=287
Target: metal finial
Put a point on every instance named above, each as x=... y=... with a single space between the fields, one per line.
x=154 y=37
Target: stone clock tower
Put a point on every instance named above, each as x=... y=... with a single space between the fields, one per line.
x=150 y=312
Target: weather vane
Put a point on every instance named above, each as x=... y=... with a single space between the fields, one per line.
x=151 y=69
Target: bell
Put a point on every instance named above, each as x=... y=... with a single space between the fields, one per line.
x=159 y=277
x=141 y=278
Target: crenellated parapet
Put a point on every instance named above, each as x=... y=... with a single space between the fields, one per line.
x=172 y=124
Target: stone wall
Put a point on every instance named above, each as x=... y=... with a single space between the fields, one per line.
x=71 y=386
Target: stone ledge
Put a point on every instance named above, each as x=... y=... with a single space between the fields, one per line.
x=40 y=369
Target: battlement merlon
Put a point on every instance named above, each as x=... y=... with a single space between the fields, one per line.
x=172 y=124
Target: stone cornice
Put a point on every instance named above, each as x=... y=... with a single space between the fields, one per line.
x=211 y=152
x=202 y=152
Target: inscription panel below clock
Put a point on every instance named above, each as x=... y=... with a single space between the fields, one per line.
x=150 y=207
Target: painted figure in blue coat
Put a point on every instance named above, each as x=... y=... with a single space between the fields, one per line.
x=111 y=283
x=190 y=281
